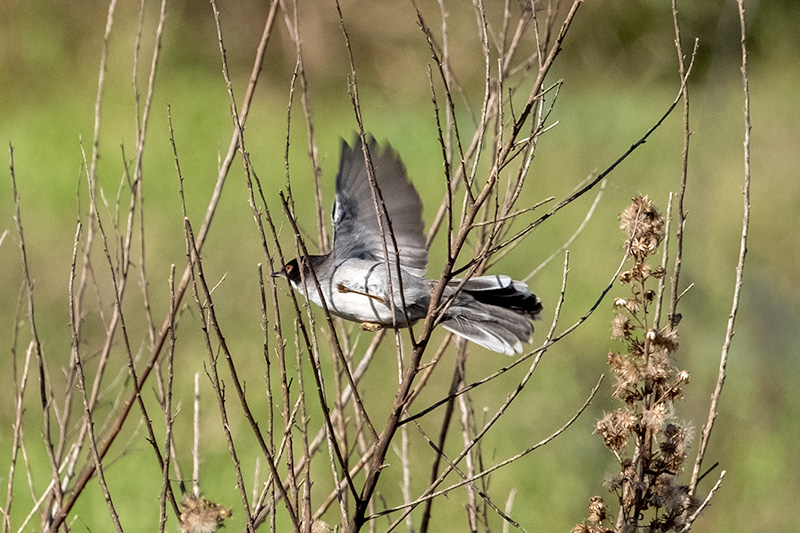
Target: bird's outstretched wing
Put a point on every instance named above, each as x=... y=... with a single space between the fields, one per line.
x=356 y=227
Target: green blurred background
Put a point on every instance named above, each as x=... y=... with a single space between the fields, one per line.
x=619 y=74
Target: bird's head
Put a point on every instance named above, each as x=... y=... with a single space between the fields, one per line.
x=290 y=271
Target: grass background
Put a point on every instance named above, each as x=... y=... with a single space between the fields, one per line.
x=619 y=71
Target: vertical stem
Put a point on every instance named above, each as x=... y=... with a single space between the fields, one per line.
x=737 y=288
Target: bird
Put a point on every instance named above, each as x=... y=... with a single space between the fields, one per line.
x=492 y=311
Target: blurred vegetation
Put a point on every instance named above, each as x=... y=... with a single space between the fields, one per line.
x=619 y=74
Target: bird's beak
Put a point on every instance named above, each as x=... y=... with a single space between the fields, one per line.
x=279 y=274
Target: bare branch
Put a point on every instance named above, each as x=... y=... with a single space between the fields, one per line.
x=44 y=388
x=737 y=288
x=681 y=223
x=89 y=423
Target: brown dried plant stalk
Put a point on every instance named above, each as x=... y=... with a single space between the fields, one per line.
x=644 y=433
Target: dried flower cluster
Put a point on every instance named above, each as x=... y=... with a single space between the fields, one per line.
x=643 y=224
x=200 y=515
x=643 y=434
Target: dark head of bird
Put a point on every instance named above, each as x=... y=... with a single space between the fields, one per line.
x=290 y=271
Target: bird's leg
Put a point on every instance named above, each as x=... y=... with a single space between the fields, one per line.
x=342 y=288
x=366 y=326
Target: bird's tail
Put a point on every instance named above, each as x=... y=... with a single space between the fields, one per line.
x=494 y=312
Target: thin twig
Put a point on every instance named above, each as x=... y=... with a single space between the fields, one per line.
x=168 y=418
x=270 y=487
x=195 y=260
x=117 y=276
x=470 y=478
x=455 y=383
x=662 y=282
x=196 y=436
x=700 y=508
x=305 y=508
x=292 y=24
x=194 y=257
x=681 y=215
x=44 y=388
x=92 y=167
x=290 y=485
x=89 y=423
x=141 y=136
x=737 y=289
x=20 y=386
x=572 y=238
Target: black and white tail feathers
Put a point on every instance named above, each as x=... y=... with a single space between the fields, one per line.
x=494 y=312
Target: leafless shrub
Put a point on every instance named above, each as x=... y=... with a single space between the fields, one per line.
x=644 y=434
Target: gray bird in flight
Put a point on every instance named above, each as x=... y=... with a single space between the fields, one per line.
x=492 y=311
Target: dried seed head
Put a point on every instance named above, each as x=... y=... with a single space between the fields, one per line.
x=628 y=472
x=675 y=392
x=621 y=327
x=670 y=495
x=636 y=348
x=613 y=484
x=628 y=395
x=597 y=509
x=667 y=337
x=626 y=371
x=632 y=305
x=655 y=417
x=201 y=516
x=673 y=453
x=643 y=224
x=642 y=246
x=676 y=441
x=657 y=368
x=616 y=361
x=640 y=271
x=615 y=428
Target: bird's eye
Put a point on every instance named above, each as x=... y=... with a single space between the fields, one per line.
x=288 y=269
